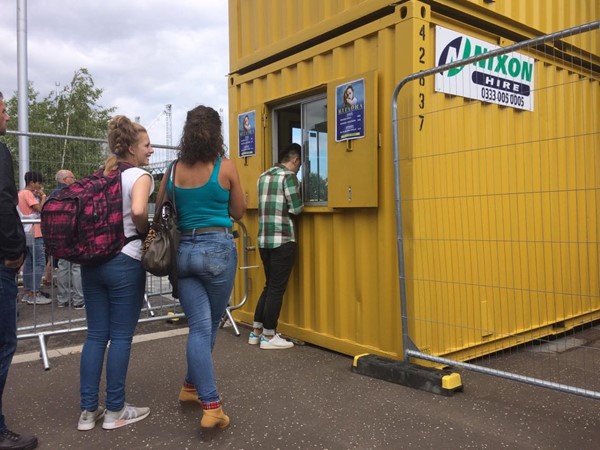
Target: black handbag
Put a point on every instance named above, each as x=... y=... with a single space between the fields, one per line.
x=159 y=255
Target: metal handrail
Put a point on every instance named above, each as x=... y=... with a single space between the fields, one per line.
x=244 y=268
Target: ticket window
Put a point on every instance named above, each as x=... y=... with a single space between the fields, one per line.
x=336 y=172
x=305 y=123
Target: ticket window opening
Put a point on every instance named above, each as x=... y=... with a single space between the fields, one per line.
x=305 y=123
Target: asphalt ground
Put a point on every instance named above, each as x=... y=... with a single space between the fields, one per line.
x=301 y=398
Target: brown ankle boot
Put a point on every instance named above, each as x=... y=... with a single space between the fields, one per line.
x=212 y=418
x=188 y=393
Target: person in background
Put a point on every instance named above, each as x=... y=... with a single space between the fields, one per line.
x=114 y=290
x=68 y=275
x=208 y=193
x=278 y=200
x=31 y=199
x=12 y=252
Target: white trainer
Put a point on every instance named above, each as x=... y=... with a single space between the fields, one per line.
x=254 y=338
x=275 y=343
x=38 y=299
x=129 y=414
x=88 y=419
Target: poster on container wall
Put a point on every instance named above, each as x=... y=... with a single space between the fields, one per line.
x=504 y=80
x=247 y=134
x=350 y=110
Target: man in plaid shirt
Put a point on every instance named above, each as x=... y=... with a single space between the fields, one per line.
x=278 y=198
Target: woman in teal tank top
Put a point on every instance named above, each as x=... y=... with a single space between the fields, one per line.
x=208 y=193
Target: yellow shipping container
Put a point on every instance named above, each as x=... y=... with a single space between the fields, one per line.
x=500 y=204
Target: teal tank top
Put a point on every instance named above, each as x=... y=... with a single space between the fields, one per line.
x=204 y=206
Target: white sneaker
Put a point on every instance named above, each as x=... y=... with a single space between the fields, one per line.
x=254 y=338
x=88 y=419
x=129 y=414
x=275 y=343
x=38 y=299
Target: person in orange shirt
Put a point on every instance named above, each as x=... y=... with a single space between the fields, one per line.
x=31 y=199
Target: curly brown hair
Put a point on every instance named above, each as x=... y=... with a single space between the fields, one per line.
x=202 y=137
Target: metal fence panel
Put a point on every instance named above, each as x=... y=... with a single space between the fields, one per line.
x=501 y=208
x=44 y=320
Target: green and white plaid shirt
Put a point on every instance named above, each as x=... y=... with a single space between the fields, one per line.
x=278 y=197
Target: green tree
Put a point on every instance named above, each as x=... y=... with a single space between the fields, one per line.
x=317 y=188
x=70 y=111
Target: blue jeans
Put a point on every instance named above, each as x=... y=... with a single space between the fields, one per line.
x=114 y=293
x=35 y=263
x=8 y=326
x=278 y=264
x=206 y=264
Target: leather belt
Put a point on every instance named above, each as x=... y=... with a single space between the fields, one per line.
x=195 y=231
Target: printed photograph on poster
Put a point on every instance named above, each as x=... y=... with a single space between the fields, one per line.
x=350 y=110
x=247 y=134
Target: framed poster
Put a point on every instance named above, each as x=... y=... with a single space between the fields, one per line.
x=350 y=110
x=247 y=134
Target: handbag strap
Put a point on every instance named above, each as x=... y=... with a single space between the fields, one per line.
x=174 y=169
x=162 y=191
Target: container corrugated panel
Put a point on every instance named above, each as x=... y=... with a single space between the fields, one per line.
x=260 y=29
x=504 y=229
x=341 y=285
x=546 y=16
x=528 y=19
x=482 y=246
x=342 y=294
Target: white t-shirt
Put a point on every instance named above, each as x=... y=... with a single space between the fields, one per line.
x=128 y=179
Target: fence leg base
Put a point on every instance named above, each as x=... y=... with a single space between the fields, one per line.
x=436 y=381
x=43 y=339
x=229 y=316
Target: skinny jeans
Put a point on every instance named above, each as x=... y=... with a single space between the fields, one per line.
x=206 y=265
x=114 y=293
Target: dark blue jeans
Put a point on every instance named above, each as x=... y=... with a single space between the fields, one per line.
x=8 y=326
x=277 y=263
x=114 y=293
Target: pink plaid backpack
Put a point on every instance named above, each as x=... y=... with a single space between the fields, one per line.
x=83 y=222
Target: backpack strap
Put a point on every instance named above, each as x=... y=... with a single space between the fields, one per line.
x=122 y=167
x=134 y=238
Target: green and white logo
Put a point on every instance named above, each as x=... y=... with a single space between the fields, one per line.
x=505 y=80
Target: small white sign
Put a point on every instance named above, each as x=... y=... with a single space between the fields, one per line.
x=505 y=80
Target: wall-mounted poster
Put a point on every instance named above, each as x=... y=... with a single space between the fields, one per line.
x=247 y=134
x=350 y=110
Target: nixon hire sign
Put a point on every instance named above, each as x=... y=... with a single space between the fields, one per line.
x=505 y=80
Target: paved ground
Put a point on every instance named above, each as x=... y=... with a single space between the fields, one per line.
x=302 y=398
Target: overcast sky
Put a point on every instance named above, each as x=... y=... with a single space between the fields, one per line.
x=145 y=54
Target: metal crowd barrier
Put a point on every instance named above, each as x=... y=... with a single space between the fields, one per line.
x=493 y=265
x=43 y=321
